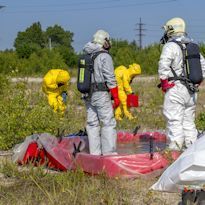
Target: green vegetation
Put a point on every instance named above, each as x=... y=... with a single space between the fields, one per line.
x=37 y=51
x=34 y=39
x=37 y=60
x=24 y=110
x=201 y=121
x=125 y=53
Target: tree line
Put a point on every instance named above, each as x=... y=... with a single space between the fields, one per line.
x=36 y=51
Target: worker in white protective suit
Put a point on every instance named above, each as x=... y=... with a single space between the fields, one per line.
x=179 y=103
x=101 y=123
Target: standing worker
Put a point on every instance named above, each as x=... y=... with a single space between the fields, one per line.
x=55 y=85
x=181 y=70
x=124 y=77
x=101 y=124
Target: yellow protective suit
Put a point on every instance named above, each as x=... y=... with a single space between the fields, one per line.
x=124 y=76
x=55 y=82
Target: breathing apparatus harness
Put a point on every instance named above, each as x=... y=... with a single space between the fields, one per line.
x=85 y=73
x=191 y=75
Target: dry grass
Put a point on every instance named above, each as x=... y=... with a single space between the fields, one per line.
x=35 y=186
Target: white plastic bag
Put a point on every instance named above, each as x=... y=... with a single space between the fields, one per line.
x=187 y=171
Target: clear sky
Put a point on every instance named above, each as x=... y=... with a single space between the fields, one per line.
x=84 y=17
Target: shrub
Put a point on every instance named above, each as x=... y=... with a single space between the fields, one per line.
x=22 y=113
x=200 y=122
x=24 y=110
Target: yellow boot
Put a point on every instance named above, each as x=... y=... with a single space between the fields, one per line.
x=61 y=104
x=127 y=113
x=53 y=102
x=118 y=113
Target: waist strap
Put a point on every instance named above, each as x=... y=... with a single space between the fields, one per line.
x=99 y=87
x=186 y=82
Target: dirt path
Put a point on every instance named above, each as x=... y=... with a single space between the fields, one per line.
x=33 y=80
x=73 y=79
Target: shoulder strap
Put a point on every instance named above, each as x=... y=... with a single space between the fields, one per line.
x=184 y=55
x=94 y=56
x=183 y=50
x=178 y=43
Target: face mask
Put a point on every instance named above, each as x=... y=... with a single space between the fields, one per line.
x=164 y=38
x=107 y=44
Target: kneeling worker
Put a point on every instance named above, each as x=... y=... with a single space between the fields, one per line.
x=124 y=77
x=55 y=86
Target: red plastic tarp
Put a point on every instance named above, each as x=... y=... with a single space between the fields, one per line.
x=127 y=137
x=59 y=155
x=45 y=149
x=127 y=166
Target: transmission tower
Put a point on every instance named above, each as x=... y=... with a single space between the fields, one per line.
x=140 y=30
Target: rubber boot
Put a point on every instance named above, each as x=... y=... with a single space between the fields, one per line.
x=61 y=105
x=127 y=113
x=201 y=197
x=188 y=197
x=129 y=116
x=118 y=113
x=118 y=118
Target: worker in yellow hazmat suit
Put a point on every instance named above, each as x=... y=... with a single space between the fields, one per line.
x=55 y=85
x=124 y=77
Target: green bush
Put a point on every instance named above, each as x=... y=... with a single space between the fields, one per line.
x=24 y=110
x=148 y=59
x=8 y=62
x=125 y=53
x=44 y=60
x=38 y=63
x=200 y=122
x=22 y=113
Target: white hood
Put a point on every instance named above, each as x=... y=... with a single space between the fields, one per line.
x=91 y=48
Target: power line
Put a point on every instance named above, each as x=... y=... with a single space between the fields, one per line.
x=95 y=8
x=140 y=34
x=96 y=2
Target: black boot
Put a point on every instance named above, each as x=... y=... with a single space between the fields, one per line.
x=188 y=197
x=200 y=197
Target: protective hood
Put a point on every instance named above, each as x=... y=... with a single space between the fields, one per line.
x=91 y=48
x=134 y=69
x=182 y=39
x=63 y=77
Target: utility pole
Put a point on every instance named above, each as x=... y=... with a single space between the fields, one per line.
x=50 y=43
x=140 y=29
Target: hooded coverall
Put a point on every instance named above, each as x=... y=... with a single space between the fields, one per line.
x=101 y=123
x=124 y=76
x=179 y=105
x=55 y=83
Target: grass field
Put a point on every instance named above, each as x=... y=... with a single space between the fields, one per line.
x=38 y=186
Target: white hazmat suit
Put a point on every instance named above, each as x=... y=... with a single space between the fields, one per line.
x=101 y=122
x=179 y=105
